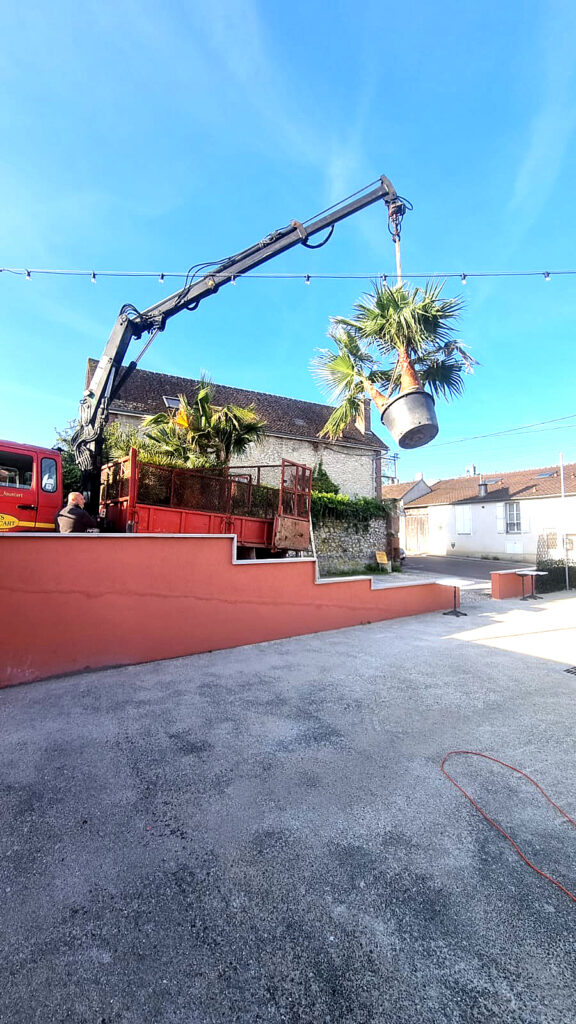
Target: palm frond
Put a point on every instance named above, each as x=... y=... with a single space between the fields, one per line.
x=342 y=416
x=443 y=377
x=436 y=315
x=336 y=374
x=344 y=371
x=405 y=317
x=455 y=349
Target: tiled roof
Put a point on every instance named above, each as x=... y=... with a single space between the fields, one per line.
x=543 y=482
x=398 y=490
x=144 y=394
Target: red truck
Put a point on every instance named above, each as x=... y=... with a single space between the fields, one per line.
x=140 y=497
x=30 y=487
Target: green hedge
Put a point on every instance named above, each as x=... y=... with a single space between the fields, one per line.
x=328 y=507
x=556 y=578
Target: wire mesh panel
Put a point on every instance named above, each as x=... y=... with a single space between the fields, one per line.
x=200 y=490
x=288 y=495
x=304 y=487
x=240 y=495
x=115 y=480
x=295 y=492
x=236 y=494
x=154 y=484
x=264 y=503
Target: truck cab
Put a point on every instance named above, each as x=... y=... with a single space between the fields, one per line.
x=30 y=488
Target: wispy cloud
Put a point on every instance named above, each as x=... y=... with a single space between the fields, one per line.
x=259 y=73
x=552 y=127
x=245 y=53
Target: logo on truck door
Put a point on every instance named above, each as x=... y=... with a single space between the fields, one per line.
x=7 y=522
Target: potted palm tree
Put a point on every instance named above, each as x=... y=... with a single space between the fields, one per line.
x=400 y=349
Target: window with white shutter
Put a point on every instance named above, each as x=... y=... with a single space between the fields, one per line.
x=463 y=519
x=513 y=523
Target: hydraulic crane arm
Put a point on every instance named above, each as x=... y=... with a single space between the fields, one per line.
x=132 y=324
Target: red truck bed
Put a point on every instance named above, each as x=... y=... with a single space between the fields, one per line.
x=141 y=497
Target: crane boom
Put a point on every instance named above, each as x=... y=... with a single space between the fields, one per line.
x=132 y=324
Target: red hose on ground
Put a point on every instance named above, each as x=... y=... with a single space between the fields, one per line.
x=475 y=753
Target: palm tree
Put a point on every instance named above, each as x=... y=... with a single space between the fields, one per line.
x=170 y=448
x=400 y=341
x=203 y=433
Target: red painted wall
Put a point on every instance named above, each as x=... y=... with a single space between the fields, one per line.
x=74 y=602
x=508 y=584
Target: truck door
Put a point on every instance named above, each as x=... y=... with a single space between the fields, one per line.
x=18 y=489
x=49 y=490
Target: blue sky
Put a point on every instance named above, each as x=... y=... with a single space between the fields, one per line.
x=142 y=138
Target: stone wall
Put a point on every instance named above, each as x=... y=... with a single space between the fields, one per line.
x=349 y=467
x=344 y=546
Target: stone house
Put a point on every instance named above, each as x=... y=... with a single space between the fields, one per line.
x=519 y=515
x=354 y=462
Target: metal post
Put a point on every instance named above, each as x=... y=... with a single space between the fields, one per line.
x=313 y=546
x=563 y=515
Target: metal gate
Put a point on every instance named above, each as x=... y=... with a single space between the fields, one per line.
x=292 y=526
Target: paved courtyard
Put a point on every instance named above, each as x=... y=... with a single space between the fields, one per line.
x=264 y=834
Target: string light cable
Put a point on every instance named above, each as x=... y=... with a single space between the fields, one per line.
x=200 y=268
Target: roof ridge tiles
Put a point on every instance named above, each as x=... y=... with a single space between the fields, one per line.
x=147 y=387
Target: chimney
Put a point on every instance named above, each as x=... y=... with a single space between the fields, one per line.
x=363 y=417
x=482 y=489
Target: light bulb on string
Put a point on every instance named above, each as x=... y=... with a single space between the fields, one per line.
x=161 y=279
x=28 y=275
x=93 y=277
x=307 y=279
x=546 y=275
x=463 y=278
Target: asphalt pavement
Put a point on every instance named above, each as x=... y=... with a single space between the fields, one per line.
x=470 y=568
x=264 y=834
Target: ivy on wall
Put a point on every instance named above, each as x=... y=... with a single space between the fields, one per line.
x=327 y=507
x=322 y=482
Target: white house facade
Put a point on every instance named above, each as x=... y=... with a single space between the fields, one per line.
x=518 y=516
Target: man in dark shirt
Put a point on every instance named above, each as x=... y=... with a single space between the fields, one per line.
x=72 y=518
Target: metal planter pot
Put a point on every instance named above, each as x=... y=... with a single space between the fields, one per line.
x=411 y=418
